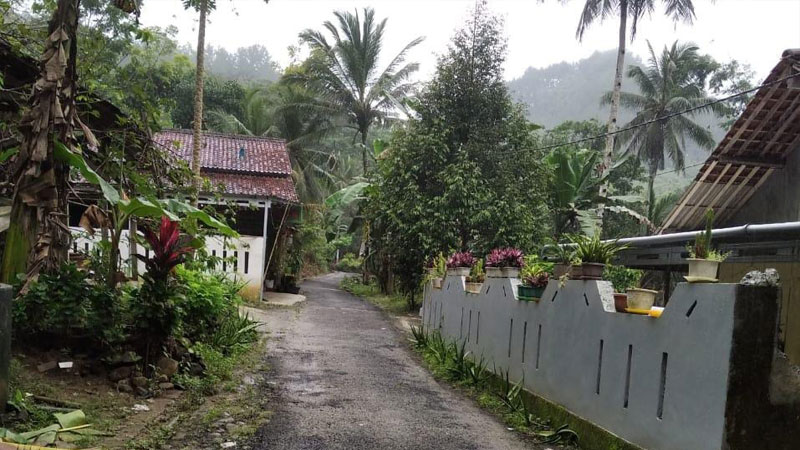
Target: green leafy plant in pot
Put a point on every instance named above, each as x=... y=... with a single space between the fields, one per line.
x=435 y=271
x=533 y=286
x=562 y=255
x=594 y=254
x=623 y=279
x=476 y=278
x=703 y=259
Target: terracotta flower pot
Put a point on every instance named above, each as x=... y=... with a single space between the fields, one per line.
x=458 y=272
x=641 y=298
x=592 y=271
x=703 y=269
x=494 y=272
x=620 y=301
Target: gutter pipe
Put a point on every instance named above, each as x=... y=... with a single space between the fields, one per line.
x=746 y=231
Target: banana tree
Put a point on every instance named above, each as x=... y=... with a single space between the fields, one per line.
x=574 y=197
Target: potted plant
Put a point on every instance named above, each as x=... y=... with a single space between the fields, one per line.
x=562 y=256
x=703 y=259
x=476 y=278
x=459 y=264
x=504 y=262
x=594 y=254
x=436 y=269
x=622 y=279
x=533 y=286
x=641 y=299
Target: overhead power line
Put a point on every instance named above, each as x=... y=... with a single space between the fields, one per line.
x=657 y=119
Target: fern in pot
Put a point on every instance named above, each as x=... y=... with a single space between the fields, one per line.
x=563 y=257
x=704 y=259
x=594 y=254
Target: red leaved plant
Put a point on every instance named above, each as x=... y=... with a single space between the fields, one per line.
x=169 y=249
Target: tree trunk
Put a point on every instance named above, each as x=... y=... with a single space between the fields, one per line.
x=38 y=238
x=608 y=152
x=197 y=126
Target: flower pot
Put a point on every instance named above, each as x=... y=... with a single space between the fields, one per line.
x=592 y=271
x=458 y=272
x=474 y=288
x=576 y=272
x=703 y=270
x=437 y=283
x=510 y=272
x=494 y=272
x=526 y=293
x=620 y=301
x=641 y=298
x=560 y=269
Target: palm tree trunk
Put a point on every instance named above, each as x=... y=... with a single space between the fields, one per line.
x=38 y=238
x=197 y=129
x=608 y=152
x=364 y=149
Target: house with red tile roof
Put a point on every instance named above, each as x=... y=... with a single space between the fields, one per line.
x=254 y=173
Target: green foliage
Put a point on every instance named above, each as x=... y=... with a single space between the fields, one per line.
x=459 y=175
x=592 y=249
x=67 y=305
x=350 y=263
x=234 y=334
x=621 y=277
x=702 y=247
x=205 y=303
x=393 y=303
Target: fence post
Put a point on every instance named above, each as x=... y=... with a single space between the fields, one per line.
x=6 y=295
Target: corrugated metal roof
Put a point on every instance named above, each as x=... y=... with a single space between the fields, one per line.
x=757 y=144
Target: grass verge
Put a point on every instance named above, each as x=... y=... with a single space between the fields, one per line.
x=394 y=303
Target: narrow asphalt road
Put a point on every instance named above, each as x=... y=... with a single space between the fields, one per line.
x=345 y=379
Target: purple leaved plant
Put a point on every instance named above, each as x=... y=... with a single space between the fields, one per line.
x=505 y=257
x=538 y=280
x=461 y=259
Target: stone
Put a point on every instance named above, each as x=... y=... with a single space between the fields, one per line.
x=162 y=378
x=167 y=366
x=166 y=386
x=44 y=367
x=124 y=386
x=120 y=373
x=140 y=408
x=228 y=444
x=769 y=277
x=142 y=392
x=140 y=381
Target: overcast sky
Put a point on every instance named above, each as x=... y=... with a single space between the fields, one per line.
x=752 y=31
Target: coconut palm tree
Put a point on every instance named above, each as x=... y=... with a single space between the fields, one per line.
x=666 y=87
x=344 y=71
x=594 y=10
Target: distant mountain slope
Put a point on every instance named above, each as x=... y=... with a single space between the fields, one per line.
x=572 y=91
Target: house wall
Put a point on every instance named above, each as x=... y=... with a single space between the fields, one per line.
x=661 y=383
x=247 y=250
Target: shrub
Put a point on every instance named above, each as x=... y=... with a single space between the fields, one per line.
x=350 y=263
x=621 y=277
x=234 y=334
x=66 y=304
x=204 y=301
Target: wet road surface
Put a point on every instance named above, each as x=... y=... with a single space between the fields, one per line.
x=344 y=378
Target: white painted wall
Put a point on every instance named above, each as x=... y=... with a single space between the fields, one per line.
x=248 y=251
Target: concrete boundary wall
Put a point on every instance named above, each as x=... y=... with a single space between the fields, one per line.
x=660 y=383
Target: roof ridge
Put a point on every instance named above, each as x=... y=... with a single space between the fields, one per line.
x=220 y=134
